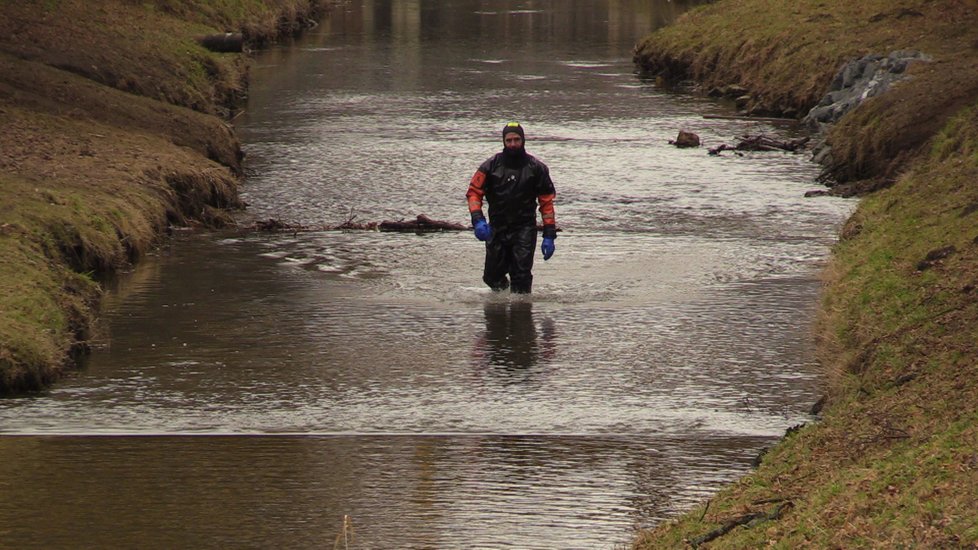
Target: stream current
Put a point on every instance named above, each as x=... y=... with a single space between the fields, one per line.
x=253 y=389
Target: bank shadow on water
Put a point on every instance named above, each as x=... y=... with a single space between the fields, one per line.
x=469 y=491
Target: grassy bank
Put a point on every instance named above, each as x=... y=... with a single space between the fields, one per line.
x=113 y=131
x=894 y=460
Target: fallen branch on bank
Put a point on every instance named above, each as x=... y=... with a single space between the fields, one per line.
x=761 y=143
x=747 y=519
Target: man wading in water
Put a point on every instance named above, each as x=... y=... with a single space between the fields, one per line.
x=513 y=182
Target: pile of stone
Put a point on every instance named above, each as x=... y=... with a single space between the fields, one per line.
x=859 y=80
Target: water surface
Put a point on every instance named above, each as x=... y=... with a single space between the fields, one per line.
x=254 y=389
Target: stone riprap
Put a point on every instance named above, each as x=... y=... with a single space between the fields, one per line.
x=859 y=80
x=855 y=82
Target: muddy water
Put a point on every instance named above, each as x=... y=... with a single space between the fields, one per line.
x=256 y=389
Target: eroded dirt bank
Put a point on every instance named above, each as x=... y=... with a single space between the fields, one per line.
x=894 y=460
x=114 y=130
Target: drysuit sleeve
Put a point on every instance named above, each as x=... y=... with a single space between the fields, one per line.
x=475 y=194
x=545 y=197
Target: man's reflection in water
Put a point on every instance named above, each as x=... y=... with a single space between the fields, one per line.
x=512 y=340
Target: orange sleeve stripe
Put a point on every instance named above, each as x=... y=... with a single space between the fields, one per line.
x=478 y=179
x=475 y=192
x=547 y=209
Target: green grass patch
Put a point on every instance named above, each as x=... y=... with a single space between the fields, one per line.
x=786 y=56
x=894 y=461
x=109 y=135
x=44 y=305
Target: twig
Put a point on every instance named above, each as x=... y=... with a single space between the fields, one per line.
x=345 y=535
x=770 y=500
x=703 y=515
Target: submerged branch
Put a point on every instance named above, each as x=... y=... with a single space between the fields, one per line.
x=420 y=224
x=761 y=143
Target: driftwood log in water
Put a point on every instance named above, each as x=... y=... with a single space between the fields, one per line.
x=761 y=143
x=420 y=224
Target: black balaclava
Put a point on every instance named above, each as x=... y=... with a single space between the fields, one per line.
x=514 y=156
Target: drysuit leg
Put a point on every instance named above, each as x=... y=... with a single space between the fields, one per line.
x=523 y=243
x=497 y=262
x=510 y=252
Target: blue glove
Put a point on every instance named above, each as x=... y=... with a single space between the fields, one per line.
x=547 y=248
x=482 y=230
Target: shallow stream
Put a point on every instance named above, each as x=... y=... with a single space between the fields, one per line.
x=258 y=387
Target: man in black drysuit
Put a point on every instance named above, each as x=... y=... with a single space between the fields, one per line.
x=513 y=182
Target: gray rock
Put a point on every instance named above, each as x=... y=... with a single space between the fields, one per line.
x=859 y=80
x=855 y=82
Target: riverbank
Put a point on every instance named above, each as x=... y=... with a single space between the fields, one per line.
x=114 y=131
x=894 y=459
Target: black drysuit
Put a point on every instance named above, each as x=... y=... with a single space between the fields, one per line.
x=513 y=183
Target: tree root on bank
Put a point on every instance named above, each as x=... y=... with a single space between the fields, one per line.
x=761 y=143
